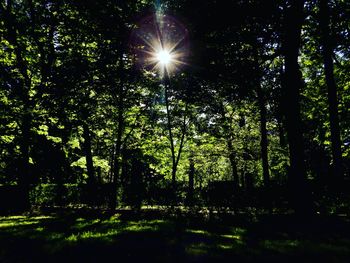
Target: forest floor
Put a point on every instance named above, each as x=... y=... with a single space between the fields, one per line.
x=100 y=237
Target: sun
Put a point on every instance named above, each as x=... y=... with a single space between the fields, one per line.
x=160 y=44
x=164 y=57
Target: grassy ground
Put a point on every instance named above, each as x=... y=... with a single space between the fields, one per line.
x=144 y=238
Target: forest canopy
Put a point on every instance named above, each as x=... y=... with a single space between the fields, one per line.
x=129 y=103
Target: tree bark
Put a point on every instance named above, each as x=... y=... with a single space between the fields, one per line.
x=300 y=196
x=169 y=125
x=327 y=52
x=190 y=182
x=24 y=167
x=263 y=134
x=120 y=132
x=116 y=157
x=233 y=163
x=88 y=154
x=175 y=157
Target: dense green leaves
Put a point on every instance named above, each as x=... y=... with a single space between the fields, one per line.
x=76 y=106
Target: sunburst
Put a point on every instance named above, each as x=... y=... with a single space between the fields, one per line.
x=161 y=44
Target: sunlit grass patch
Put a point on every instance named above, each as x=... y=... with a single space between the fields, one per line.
x=134 y=227
x=235 y=237
x=81 y=223
x=117 y=235
x=198 y=231
x=42 y=217
x=113 y=221
x=72 y=238
x=40 y=229
x=92 y=235
x=144 y=225
x=106 y=230
x=7 y=224
x=225 y=246
x=14 y=221
x=12 y=217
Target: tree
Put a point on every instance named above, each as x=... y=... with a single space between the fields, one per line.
x=293 y=84
x=30 y=72
x=327 y=52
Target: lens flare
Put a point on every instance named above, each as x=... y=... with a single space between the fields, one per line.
x=164 y=57
x=160 y=44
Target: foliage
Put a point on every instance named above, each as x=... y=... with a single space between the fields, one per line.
x=78 y=110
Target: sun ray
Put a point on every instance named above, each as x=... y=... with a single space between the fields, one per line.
x=177 y=43
x=161 y=44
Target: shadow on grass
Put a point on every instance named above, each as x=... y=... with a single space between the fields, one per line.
x=71 y=237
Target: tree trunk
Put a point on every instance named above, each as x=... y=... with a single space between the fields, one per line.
x=233 y=163
x=327 y=52
x=281 y=109
x=263 y=134
x=169 y=125
x=88 y=155
x=120 y=131
x=300 y=196
x=282 y=140
x=190 y=183
x=175 y=157
x=117 y=155
x=24 y=168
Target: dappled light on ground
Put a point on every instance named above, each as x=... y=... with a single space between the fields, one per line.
x=69 y=237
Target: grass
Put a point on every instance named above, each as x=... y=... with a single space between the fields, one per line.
x=99 y=238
